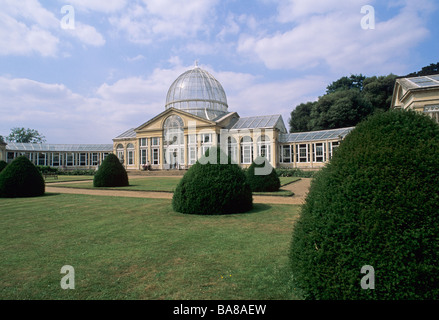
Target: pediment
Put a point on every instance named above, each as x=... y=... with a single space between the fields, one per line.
x=156 y=123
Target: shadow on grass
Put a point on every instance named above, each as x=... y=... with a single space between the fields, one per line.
x=259 y=207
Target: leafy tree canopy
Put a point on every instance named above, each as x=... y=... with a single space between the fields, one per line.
x=24 y=135
x=426 y=71
x=347 y=101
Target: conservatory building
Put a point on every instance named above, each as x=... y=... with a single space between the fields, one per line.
x=196 y=117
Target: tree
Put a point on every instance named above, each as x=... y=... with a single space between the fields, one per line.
x=342 y=108
x=379 y=90
x=346 y=83
x=347 y=101
x=23 y=135
x=426 y=71
x=300 y=117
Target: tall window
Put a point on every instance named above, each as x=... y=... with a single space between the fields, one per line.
x=83 y=159
x=120 y=152
x=332 y=147
x=130 y=154
x=192 y=149
x=319 y=152
x=232 y=149
x=264 y=147
x=285 y=154
x=246 y=150
x=94 y=159
x=206 y=142
x=302 y=153
x=173 y=141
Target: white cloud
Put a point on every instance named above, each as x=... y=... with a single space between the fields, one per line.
x=87 y=35
x=324 y=34
x=26 y=27
x=105 y=6
x=148 y=20
x=20 y=39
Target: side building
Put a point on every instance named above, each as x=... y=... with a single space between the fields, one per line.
x=418 y=93
x=64 y=156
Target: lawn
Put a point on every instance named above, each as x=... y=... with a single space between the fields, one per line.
x=66 y=178
x=165 y=184
x=130 y=248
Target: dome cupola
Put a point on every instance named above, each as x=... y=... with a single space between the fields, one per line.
x=196 y=91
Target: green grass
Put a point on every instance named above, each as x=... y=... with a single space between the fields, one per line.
x=129 y=248
x=168 y=184
x=287 y=180
x=65 y=178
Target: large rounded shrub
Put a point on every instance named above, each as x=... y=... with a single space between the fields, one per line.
x=215 y=187
x=375 y=204
x=262 y=177
x=3 y=165
x=111 y=173
x=21 y=179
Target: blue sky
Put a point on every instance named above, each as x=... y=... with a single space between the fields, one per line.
x=112 y=71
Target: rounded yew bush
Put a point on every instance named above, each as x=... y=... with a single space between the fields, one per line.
x=262 y=177
x=111 y=173
x=21 y=179
x=375 y=204
x=3 y=165
x=213 y=187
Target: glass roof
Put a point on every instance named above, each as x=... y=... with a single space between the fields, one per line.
x=315 y=135
x=44 y=147
x=198 y=92
x=425 y=81
x=270 y=121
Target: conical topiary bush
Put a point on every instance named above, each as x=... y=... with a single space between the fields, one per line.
x=111 y=173
x=375 y=205
x=21 y=178
x=262 y=177
x=213 y=188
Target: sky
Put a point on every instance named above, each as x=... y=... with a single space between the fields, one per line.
x=84 y=71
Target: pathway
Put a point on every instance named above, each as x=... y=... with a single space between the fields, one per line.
x=300 y=189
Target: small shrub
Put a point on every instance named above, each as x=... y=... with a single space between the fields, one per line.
x=265 y=181
x=376 y=204
x=3 y=165
x=213 y=188
x=21 y=179
x=111 y=173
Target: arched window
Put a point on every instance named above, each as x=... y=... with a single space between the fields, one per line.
x=246 y=150
x=120 y=152
x=173 y=141
x=264 y=147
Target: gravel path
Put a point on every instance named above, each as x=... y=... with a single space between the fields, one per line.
x=300 y=189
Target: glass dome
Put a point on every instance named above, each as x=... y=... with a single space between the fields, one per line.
x=198 y=92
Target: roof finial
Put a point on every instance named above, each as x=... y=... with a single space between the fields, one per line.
x=196 y=63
